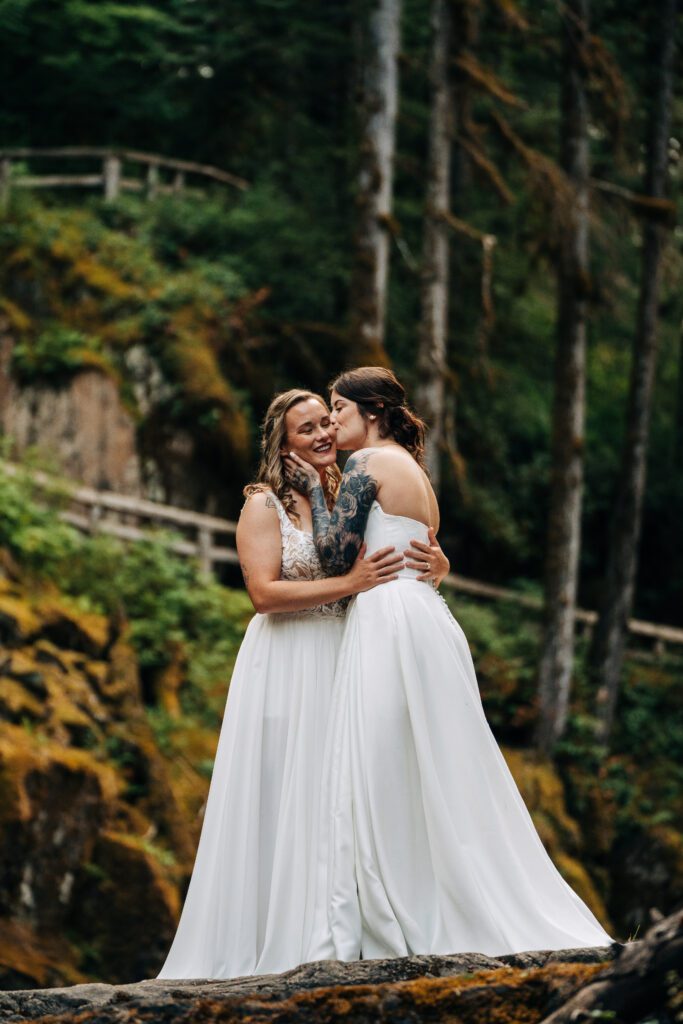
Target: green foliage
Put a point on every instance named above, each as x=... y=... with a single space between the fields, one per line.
x=56 y=354
x=167 y=601
x=31 y=531
x=267 y=90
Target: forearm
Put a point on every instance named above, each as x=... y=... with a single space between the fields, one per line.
x=298 y=595
x=338 y=535
x=326 y=542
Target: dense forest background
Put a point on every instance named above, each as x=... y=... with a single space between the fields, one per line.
x=142 y=337
x=266 y=90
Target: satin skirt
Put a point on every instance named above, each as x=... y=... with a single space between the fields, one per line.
x=249 y=906
x=426 y=845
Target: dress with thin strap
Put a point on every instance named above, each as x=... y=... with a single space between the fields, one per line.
x=250 y=901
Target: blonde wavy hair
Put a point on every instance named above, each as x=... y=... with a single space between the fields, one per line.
x=271 y=471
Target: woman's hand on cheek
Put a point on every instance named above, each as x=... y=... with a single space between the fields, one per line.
x=301 y=475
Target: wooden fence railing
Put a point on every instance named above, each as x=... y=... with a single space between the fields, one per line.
x=124 y=516
x=110 y=177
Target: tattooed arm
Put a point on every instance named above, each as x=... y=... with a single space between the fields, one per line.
x=259 y=545
x=338 y=534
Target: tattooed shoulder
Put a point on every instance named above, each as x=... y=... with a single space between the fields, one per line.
x=339 y=535
x=270 y=503
x=357 y=481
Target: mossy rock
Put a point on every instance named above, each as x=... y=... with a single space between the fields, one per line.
x=49 y=654
x=120 y=683
x=31 y=960
x=646 y=871
x=17 y=704
x=76 y=630
x=18 y=622
x=22 y=666
x=127 y=906
x=53 y=803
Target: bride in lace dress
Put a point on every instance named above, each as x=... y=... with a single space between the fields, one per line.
x=249 y=905
x=426 y=844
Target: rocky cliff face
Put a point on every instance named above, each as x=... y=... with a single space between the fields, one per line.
x=131 y=373
x=81 y=425
x=97 y=836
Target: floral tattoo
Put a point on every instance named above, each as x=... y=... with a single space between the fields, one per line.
x=338 y=534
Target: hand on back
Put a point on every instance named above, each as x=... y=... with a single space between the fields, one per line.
x=381 y=567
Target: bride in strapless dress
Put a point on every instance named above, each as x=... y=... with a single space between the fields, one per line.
x=426 y=845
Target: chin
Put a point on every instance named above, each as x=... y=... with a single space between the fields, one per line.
x=348 y=444
x=320 y=462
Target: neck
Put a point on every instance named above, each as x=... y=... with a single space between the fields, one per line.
x=372 y=438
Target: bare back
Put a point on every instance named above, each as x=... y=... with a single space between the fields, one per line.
x=403 y=488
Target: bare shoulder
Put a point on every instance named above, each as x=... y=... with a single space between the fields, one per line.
x=359 y=458
x=390 y=460
x=259 y=511
x=403 y=486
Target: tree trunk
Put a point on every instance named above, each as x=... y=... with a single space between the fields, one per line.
x=678 y=443
x=379 y=101
x=564 y=518
x=431 y=358
x=609 y=641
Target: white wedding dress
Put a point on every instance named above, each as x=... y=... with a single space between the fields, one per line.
x=249 y=906
x=426 y=844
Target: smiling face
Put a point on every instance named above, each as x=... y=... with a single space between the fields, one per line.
x=310 y=433
x=351 y=426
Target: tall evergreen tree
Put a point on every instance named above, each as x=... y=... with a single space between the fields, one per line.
x=431 y=358
x=609 y=640
x=378 y=76
x=564 y=519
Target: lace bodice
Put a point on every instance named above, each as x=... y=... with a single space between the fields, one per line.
x=300 y=562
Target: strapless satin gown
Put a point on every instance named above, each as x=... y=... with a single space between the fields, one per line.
x=426 y=845
x=251 y=898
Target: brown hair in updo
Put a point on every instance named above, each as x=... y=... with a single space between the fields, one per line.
x=378 y=392
x=271 y=472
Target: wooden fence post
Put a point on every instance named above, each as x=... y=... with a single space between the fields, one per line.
x=111 y=174
x=94 y=515
x=204 y=549
x=179 y=181
x=152 y=181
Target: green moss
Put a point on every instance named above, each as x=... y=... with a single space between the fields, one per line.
x=99 y=291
